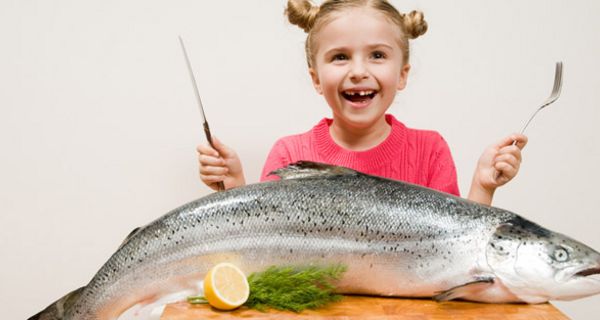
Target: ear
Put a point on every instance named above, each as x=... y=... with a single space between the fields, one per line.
x=403 y=76
x=315 y=79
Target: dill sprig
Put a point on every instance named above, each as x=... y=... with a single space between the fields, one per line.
x=197 y=300
x=294 y=288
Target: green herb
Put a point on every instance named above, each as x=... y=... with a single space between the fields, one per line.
x=197 y=300
x=294 y=288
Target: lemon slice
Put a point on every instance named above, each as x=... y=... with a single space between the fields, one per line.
x=226 y=287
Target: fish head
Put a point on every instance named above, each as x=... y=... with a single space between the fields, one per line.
x=538 y=265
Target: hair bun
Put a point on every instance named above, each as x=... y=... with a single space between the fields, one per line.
x=302 y=13
x=415 y=24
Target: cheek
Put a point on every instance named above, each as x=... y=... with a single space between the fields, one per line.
x=533 y=263
x=331 y=77
x=389 y=77
x=532 y=268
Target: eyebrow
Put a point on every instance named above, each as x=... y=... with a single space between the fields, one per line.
x=377 y=45
x=370 y=47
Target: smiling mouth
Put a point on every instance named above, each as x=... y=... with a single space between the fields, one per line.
x=588 y=272
x=359 y=96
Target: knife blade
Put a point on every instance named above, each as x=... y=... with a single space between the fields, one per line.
x=220 y=184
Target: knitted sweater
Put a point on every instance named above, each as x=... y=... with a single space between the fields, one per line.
x=417 y=156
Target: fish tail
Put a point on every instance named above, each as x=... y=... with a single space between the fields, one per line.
x=56 y=311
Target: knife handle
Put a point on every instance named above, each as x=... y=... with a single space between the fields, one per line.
x=220 y=184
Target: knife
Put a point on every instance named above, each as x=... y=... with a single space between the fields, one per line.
x=220 y=184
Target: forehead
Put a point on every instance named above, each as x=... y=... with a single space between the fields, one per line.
x=358 y=26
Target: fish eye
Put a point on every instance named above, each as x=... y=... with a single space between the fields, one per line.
x=561 y=255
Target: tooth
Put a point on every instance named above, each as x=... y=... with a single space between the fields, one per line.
x=362 y=93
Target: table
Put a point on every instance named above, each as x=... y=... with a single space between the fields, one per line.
x=362 y=307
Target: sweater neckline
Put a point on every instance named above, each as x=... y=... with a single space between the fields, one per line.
x=334 y=153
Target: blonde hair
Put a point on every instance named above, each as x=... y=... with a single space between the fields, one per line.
x=311 y=18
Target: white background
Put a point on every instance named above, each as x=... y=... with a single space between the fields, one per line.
x=98 y=122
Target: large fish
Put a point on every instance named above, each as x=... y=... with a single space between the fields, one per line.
x=396 y=239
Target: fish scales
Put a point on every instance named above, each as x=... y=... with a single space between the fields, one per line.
x=396 y=239
x=298 y=225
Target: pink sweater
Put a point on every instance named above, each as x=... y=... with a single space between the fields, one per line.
x=416 y=156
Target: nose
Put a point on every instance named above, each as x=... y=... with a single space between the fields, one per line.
x=358 y=71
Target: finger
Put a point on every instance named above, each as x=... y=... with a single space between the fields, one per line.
x=512 y=151
x=517 y=139
x=210 y=179
x=506 y=169
x=224 y=150
x=213 y=171
x=506 y=141
x=211 y=161
x=205 y=149
x=520 y=140
x=508 y=159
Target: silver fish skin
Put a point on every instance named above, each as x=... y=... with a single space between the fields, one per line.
x=396 y=239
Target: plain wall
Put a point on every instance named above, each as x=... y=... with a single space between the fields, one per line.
x=98 y=121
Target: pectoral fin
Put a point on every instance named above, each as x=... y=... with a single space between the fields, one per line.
x=153 y=307
x=465 y=290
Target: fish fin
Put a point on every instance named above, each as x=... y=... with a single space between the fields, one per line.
x=56 y=311
x=151 y=311
x=153 y=307
x=464 y=290
x=303 y=169
x=131 y=234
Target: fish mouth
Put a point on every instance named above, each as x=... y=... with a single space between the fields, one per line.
x=588 y=272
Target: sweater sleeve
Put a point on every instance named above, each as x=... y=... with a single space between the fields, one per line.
x=442 y=171
x=278 y=157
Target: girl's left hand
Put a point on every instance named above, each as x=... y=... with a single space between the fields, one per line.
x=500 y=162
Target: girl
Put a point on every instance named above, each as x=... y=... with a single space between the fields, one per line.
x=358 y=53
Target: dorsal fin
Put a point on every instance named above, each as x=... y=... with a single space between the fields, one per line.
x=131 y=234
x=303 y=169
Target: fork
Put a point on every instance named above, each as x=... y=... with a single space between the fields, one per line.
x=553 y=96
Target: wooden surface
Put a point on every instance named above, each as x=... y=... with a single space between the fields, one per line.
x=358 y=307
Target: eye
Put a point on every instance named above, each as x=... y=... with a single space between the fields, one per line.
x=561 y=255
x=339 y=57
x=378 y=55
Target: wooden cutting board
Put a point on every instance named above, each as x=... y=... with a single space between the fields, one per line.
x=360 y=307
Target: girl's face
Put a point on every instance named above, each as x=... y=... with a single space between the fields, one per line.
x=358 y=66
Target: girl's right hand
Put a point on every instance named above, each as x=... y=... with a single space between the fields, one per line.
x=221 y=164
